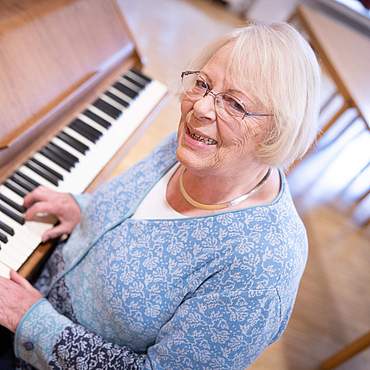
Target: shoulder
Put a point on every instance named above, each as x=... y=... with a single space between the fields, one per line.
x=265 y=246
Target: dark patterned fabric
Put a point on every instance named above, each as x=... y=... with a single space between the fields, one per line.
x=60 y=298
x=77 y=349
x=53 y=268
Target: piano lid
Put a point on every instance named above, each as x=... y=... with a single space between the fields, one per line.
x=51 y=49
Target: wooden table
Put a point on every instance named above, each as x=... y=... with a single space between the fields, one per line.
x=344 y=50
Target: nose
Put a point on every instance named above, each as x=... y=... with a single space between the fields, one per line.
x=204 y=108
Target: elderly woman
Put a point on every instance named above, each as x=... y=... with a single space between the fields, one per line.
x=193 y=257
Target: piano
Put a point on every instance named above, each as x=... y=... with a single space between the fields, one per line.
x=73 y=101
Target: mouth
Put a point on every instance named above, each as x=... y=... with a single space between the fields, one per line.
x=202 y=138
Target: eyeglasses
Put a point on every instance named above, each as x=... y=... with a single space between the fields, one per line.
x=227 y=106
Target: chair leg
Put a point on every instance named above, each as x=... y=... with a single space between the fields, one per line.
x=346 y=353
x=333 y=119
x=328 y=101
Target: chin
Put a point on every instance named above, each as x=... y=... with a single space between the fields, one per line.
x=193 y=161
x=192 y=157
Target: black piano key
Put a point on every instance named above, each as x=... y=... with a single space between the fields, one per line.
x=101 y=121
x=107 y=108
x=63 y=153
x=15 y=189
x=27 y=178
x=74 y=126
x=56 y=159
x=60 y=154
x=46 y=168
x=126 y=90
x=117 y=99
x=43 y=173
x=74 y=143
x=3 y=238
x=12 y=215
x=85 y=130
x=138 y=73
x=12 y=204
x=134 y=82
x=21 y=182
x=9 y=230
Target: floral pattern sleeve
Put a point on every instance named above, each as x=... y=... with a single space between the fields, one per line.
x=82 y=200
x=214 y=331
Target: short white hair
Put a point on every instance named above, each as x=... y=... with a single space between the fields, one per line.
x=276 y=65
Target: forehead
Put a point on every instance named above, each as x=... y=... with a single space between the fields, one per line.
x=218 y=65
x=238 y=69
x=220 y=73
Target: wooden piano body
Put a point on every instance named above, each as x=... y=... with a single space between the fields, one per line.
x=57 y=59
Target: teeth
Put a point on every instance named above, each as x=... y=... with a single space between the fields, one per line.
x=205 y=140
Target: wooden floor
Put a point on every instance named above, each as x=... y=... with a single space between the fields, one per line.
x=333 y=304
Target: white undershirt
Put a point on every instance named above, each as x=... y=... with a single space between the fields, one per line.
x=155 y=205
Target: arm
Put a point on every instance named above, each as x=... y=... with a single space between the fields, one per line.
x=217 y=331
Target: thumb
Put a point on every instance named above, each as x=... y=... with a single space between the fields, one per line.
x=14 y=276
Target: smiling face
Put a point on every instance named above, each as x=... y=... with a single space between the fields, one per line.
x=213 y=145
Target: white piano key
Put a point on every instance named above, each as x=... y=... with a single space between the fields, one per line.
x=40 y=157
x=118 y=133
x=21 y=245
x=120 y=95
x=137 y=78
x=11 y=195
x=11 y=256
x=28 y=233
x=28 y=228
x=129 y=84
x=102 y=114
x=7 y=219
x=78 y=137
x=112 y=102
x=91 y=123
x=10 y=208
x=34 y=176
x=67 y=148
x=4 y=271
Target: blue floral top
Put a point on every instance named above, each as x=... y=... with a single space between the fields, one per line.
x=207 y=292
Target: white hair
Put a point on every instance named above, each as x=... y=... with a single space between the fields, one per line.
x=276 y=65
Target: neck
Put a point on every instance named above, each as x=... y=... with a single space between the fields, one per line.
x=216 y=188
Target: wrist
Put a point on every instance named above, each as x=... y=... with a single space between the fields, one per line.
x=22 y=312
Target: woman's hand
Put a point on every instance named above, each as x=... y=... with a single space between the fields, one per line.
x=62 y=205
x=17 y=295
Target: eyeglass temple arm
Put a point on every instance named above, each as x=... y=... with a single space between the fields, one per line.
x=258 y=114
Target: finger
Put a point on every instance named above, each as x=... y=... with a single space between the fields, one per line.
x=39 y=207
x=55 y=232
x=40 y=193
x=14 y=276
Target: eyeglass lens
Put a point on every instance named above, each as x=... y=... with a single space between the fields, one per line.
x=196 y=86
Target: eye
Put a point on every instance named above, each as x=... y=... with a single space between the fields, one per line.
x=201 y=84
x=233 y=105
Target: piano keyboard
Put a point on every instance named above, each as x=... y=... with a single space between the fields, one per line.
x=72 y=159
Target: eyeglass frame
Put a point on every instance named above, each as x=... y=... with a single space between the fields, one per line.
x=210 y=91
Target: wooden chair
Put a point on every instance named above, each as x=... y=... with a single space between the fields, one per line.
x=347 y=352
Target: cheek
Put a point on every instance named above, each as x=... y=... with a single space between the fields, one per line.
x=233 y=135
x=238 y=139
x=186 y=107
